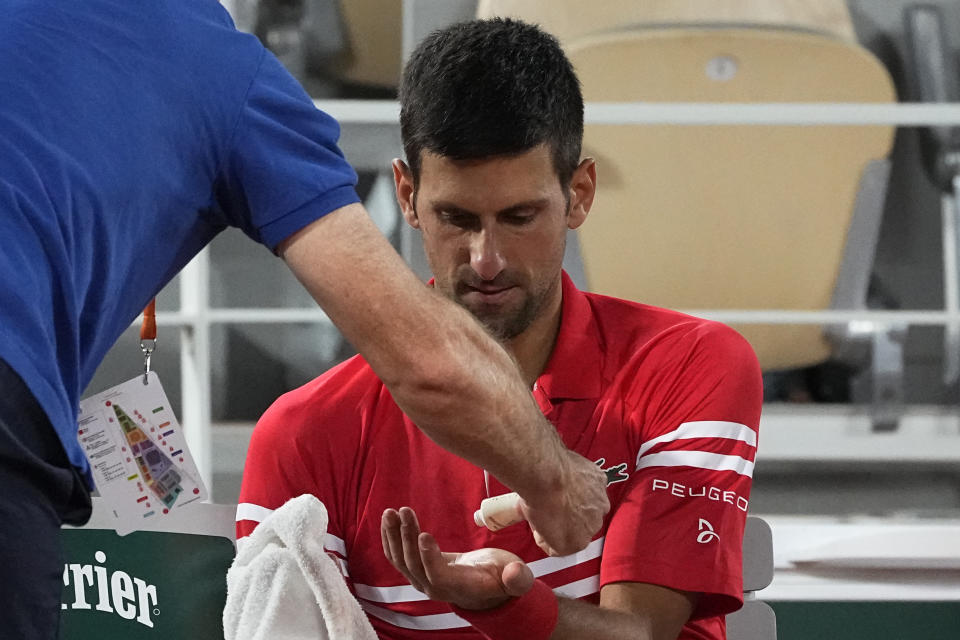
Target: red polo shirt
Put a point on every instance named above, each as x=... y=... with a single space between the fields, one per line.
x=668 y=404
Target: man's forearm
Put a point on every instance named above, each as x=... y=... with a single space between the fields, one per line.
x=628 y=610
x=533 y=613
x=585 y=621
x=468 y=397
x=454 y=381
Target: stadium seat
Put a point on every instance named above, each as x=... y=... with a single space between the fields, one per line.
x=735 y=217
x=756 y=620
x=165 y=581
x=371 y=56
x=356 y=43
x=934 y=76
x=729 y=217
x=571 y=20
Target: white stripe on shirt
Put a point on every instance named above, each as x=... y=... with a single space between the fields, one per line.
x=420 y=623
x=704 y=429
x=437 y=621
x=400 y=593
x=252 y=512
x=699 y=459
x=546 y=566
x=333 y=543
x=580 y=588
x=542 y=567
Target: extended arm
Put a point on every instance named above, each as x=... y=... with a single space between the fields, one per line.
x=453 y=380
x=628 y=610
x=487 y=578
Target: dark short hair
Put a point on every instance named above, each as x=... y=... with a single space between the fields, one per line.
x=491 y=87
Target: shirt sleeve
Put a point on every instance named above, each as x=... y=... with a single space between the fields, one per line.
x=284 y=168
x=276 y=467
x=308 y=442
x=695 y=401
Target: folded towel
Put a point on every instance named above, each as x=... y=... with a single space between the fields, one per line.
x=283 y=585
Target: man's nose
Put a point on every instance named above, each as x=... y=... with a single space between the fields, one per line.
x=485 y=255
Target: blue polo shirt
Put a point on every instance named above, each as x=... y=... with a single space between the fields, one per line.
x=131 y=133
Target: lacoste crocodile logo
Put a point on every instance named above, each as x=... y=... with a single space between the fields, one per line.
x=616 y=473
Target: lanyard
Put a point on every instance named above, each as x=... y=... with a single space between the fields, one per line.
x=148 y=336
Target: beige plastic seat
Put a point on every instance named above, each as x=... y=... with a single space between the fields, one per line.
x=372 y=55
x=726 y=217
x=569 y=20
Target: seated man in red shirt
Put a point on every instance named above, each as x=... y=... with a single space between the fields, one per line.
x=667 y=404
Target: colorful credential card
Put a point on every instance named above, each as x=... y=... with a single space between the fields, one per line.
x=135 y=445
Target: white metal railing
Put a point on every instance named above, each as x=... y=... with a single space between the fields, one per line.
x=834 y=436
x=701 y=113
x=864 y=558
x=950 y=210
x=740 y=316
x=195 y=364
x=225 y=315
x=196 y=316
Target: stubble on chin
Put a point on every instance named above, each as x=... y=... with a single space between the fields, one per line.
x=508 y=324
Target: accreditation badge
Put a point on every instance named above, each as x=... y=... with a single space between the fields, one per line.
x=141 y=464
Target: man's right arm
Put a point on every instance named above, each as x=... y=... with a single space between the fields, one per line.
x=455 y=382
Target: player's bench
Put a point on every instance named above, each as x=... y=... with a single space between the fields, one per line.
x=169 y=579
x=756 y=620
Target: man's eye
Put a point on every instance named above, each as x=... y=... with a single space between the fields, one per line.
x=519 y=220
x=458 y=219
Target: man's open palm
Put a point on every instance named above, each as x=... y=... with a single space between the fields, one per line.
x=478 y=579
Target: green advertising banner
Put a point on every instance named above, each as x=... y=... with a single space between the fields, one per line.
x=143 y=585
x=867 y=620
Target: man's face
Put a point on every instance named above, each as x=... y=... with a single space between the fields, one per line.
x=494 y=232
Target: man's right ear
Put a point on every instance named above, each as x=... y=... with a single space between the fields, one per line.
x=403 y=180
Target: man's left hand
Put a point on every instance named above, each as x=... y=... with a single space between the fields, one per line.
x=479 y=579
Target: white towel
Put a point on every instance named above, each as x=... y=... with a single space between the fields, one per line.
x=283 y=586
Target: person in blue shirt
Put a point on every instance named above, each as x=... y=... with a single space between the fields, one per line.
x=131 y=133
